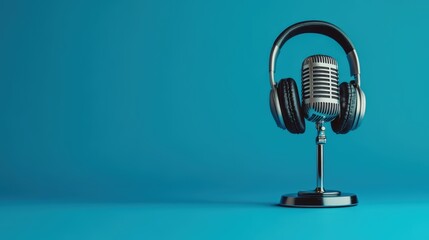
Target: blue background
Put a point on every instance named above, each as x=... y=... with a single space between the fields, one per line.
x=167 y=101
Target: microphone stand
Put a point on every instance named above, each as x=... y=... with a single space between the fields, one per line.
x=320 y=142
x=319 y=197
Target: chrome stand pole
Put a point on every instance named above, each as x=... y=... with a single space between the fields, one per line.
x=319 y=197
x=320 y=142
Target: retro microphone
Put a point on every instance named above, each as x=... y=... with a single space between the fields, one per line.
x=323 y=100
x=320 y=91
x=320 y=94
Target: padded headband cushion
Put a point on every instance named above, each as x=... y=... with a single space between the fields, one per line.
x=290 y=106
x=319 y=27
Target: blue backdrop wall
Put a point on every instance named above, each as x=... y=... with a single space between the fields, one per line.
x=153 y=100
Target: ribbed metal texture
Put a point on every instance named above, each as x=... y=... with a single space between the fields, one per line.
x=320 y=91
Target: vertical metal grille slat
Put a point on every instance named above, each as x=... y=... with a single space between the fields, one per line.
x=324 y=85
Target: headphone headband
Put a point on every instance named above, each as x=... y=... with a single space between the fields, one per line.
x=319 y=27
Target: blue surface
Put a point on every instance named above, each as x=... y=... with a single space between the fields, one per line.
x=216 y=220
x=167 y=101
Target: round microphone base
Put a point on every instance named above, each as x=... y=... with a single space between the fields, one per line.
x=313 y=199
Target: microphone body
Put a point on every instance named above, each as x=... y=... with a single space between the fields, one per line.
x=320 y=91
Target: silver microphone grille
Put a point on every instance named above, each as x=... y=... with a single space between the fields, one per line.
x=320 y=91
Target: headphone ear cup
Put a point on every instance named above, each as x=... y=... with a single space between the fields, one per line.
x=361 y=106
x=348 y=105
x=275 y=109
x=288 y=95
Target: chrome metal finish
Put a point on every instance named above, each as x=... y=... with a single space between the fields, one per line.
x=354 y=65
x=319 y=197
x=319 y=200
x=320 y=91
x=320 y=142
x=317 y=193
x=362 y=107
x=358 y=106
x=272 y=65
x=319 y=179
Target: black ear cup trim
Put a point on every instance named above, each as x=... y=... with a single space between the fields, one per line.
x=348 y=106
x=287 y=92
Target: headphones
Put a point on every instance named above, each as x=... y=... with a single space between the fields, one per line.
x=284 y=97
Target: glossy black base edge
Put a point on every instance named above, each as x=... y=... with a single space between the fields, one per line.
x=319 y=201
